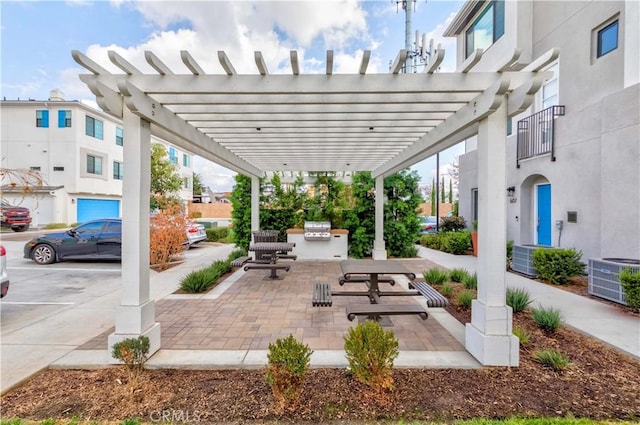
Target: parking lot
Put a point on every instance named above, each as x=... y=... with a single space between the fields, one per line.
x=51 y=309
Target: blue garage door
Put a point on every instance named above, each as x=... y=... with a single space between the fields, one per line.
x=90 y=209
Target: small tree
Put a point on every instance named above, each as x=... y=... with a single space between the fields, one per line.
x=288 y=365
x=371 y=352
x=133 y=353
x=167 y=236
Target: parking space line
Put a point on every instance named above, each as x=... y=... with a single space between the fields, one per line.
x=64 y=269
x=37 y=303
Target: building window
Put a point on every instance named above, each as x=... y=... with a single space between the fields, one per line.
x=186 y=183
x=173 y=155
x=35 y=168
x=509 y=126
x=119 y=138
x=608 y=39
x=58 y=168
x=64 y=119
x=42 y=118
x=486 y=29
x=186 y=160
x=550 y=88
x=93 y=128
x=118 y=170
x=94 y=165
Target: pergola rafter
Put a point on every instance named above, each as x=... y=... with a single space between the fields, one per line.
x=300 y=125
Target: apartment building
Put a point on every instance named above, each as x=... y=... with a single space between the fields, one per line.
x=573 y=158
x=77 y=150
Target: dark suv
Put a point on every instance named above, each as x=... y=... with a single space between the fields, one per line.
x=18 y=218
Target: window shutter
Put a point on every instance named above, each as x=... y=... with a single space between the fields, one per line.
x=45 y=118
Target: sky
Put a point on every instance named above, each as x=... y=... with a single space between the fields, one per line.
x=37 y=38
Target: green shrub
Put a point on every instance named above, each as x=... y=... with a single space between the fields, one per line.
x=217 y=234
x=456 y=243
x=522 y=335
x=558 y=265
x=201 y=280
x=518 y=299
x=133 y=353
x=470 y=281
x=433 y=240
x=465 y=298
x=547 y=319
x=509 y=249
x=435 y=276
x=452 y=224
x=236 y=253
x=446 y=289
x=131 y=421
x=630 y=282
x=52 y=226
x=370 y=351
x=552 y=358
x=457 y=275
x=288 y=365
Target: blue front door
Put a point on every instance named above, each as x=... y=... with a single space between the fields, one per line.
x=544 y=215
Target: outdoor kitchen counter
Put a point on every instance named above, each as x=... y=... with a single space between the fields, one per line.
x=333 y=231
x=335 y=248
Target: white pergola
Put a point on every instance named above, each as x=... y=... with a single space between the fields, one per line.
x=264 y=123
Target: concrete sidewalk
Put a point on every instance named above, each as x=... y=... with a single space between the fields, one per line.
x=599 y=319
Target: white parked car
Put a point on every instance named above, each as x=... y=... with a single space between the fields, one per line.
x=196 y=233
x=3 y=272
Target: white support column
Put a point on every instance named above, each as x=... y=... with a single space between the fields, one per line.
x=379 y=249
x=255 y=204
x=136 y=314
x=489 y=336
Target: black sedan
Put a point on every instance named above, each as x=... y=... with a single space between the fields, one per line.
x=93 y=240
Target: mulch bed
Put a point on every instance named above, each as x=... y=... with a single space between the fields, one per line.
x=601 y=383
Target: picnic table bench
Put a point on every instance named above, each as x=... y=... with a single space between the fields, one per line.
x=321 y=295
x=376 y=311
x=433 y=297
x=267 y=257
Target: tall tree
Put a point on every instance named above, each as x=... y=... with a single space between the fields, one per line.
x=241 y=213
x=454 y=172
x=433 y=197
x=442 y=196
x=451 y=191
x=166 y=182
x=198 y=187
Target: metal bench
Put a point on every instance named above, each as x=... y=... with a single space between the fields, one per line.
x=321 y=295
x=240 y=261
x=270 y=266
x=282 y=256
x=365 y=278
x=433 y=297
x=375 y=311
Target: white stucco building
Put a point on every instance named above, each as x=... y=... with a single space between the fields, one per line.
x=573 y=158
x=78 y=151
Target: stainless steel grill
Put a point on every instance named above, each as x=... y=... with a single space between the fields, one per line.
x=317 y=230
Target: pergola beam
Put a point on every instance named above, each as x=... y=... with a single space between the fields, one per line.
x=472 y=113
x=143 y=106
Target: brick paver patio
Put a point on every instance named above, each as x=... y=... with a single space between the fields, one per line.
x=254 y=311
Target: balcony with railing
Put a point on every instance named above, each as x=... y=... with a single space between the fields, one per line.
x=536 y=134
